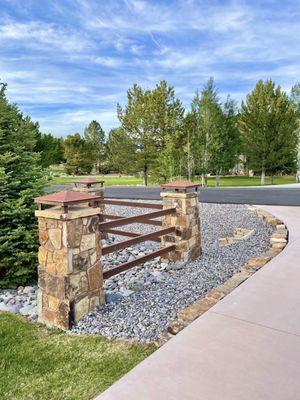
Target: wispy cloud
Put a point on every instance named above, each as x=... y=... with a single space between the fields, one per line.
x=72 y=61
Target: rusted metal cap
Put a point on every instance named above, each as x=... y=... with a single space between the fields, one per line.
x=67 y=198
x=89 y=182
x=180 y=186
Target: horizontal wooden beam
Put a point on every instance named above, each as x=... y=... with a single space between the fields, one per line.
x=149 y=222
x=139 y=260
x=137 y=239
x=132 y=204
x=126 y=233
x=137 y=218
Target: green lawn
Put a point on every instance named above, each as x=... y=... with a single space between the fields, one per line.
x=226 y=181
x=38 y=364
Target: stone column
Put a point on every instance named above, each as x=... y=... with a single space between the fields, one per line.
x=70 y=281
x=86 y=185
x=184 y=197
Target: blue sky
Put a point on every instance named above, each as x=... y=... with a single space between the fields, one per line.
x=67 y=62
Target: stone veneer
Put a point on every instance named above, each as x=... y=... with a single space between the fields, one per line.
x=187 y=223
x=96 y=191
x=70 y=281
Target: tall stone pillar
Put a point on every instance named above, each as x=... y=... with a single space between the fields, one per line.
x=184 y=197
x=70 y=280
x=95 y=187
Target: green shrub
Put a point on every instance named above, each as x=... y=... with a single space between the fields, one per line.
x=21 y=179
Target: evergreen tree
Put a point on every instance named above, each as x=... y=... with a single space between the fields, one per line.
x=152 y=119
x=50 y=148
x=95 y=135
x=77 y=152
x=268 y=125
x=226 y=141
x=21 y=180
x=121 y=152
x=136 y=122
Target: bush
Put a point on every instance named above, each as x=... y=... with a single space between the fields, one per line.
x=21 y=179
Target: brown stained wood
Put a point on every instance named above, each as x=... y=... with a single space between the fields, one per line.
x=139 y=260
x=132 y=204
x=137 y=239
x=137 y=218
x=149 y=222
x=127 y=233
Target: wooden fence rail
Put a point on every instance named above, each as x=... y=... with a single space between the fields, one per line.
x=137 y=218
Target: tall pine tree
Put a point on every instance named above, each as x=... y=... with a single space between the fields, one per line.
x=268 y=125
x=95 y=135
x=21 y=179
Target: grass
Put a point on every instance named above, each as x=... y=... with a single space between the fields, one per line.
x=226 y=181
x=109 y=180
x=38 y=363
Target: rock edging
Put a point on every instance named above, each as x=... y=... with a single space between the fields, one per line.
x=278 y=241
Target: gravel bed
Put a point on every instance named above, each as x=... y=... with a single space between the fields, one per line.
x=141 y=301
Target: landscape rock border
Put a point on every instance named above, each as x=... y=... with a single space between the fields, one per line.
x=278 y=241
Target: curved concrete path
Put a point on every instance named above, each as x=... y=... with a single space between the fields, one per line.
x=246 y=347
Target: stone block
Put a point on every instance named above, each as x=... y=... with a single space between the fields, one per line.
x=55 y=286
x=274 y=240
x=280 y=226
x=42 y=255
x=280 y=246
x=280 y=234
x=196 y=309
x=258 y=261
x=79 y=308
x=88 y=242
x=95 y=277
x=52 y=223
x=55 y=236
x=92 y=225
x=43 y=236
x=60 y=258
x=50 y=266
x=42 y=224
x=74 y=232
x=77 y=285
x=53 y=302
x=81 y=261
x=49 y=246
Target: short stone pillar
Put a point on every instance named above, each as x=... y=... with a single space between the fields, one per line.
x=70 y=280
x=184 y=197
x=95 y=187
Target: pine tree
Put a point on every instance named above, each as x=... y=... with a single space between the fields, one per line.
x=77 y=153
x=121 y=152
x=50 y=148
x=95 y=135
x=152 y=119
x=226 y=141
x=21 y=179
x=268 y=125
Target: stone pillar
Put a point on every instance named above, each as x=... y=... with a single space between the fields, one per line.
x=91 y=186
x=70 y=280
x=184 y=197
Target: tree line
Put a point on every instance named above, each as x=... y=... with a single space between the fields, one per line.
x=156 y=137
x=161 y=140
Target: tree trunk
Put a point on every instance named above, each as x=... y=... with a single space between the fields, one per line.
x=203 y=180
x=146 y=175
x=218 y=180
x=263 y=176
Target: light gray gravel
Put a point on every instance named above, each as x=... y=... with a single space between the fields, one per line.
x=142 y=300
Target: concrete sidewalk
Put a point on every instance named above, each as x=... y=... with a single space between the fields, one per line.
x=246 y=347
